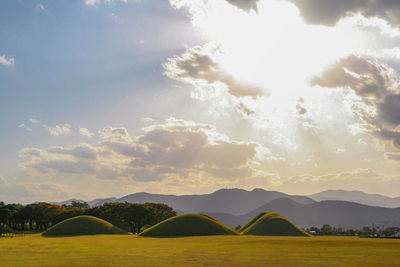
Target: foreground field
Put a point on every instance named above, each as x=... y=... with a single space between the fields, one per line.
x=125 y=250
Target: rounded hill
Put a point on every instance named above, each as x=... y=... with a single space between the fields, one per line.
x=249 y=223
x=83 y=225
x=272 y=224
x=188 y=225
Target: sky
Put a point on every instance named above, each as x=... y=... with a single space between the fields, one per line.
x=102 y=98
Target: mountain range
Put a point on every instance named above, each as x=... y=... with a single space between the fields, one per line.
x=233 y=201
x=347 y=209
x=333 y=212
x=358 y=197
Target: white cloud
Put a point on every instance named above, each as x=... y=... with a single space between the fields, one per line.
x=7 y=62
x=85 y=132
x=41 y=7
x=35 y=121
x=25 y=127
x=94 y=3
x=176 y=149
x=112 y=134
x=61 y=129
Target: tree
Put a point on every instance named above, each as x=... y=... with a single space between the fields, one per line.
x=5 y=215
x=12 y=217
x=350 y=232
x=45 y=215
x=326 y=229
x=24 y=216
x=159 y=212
x=137 y=216
x=68 y=213
x=112 y=212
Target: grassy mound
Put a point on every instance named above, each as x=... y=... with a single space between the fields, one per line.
x=83 y=225
x=188 y=225
x=248 y=224
x=272 y=224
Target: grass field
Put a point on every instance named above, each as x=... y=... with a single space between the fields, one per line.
x=124 y=250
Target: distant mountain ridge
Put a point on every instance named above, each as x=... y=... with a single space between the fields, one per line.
x=340 y=208
x=336 y=213
x=92 y=203
x=358 y=197
x=232 y=201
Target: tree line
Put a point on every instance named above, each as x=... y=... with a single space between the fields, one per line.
x=327 y=229
x=40 y=216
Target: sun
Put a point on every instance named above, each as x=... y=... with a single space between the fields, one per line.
x=274 y=47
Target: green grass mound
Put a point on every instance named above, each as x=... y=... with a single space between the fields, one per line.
x=83 y=225
x=272 y=224
x=188 y=225
x=247 y=225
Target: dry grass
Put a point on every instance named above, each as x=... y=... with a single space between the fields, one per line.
x=125 y=250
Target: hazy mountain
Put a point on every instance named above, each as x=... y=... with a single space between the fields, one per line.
x=337 y=213
x=232 y=206
x=232 y=201
x=67 y=202
x=100 y=201
x=92 y=203
x=358 y=197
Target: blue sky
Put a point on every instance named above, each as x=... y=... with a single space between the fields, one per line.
x=105 y=98
x=74 y=62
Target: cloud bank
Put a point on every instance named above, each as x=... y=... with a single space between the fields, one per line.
x=176 y=149
x=378 y=86
x=329 y=12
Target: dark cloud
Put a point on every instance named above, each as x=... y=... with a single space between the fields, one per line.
x=245 y=109
x=82 y=150
x=329 y=12
x=379 y=89
x=63 y=166
x=393 y=156
x=300 y=109
x=366 y=78
x=246 y=5
x=389 y=109
x=389 y=135
x=196 y=64
x=376 y=84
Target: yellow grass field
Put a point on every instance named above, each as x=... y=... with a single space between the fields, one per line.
x=128 y=250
